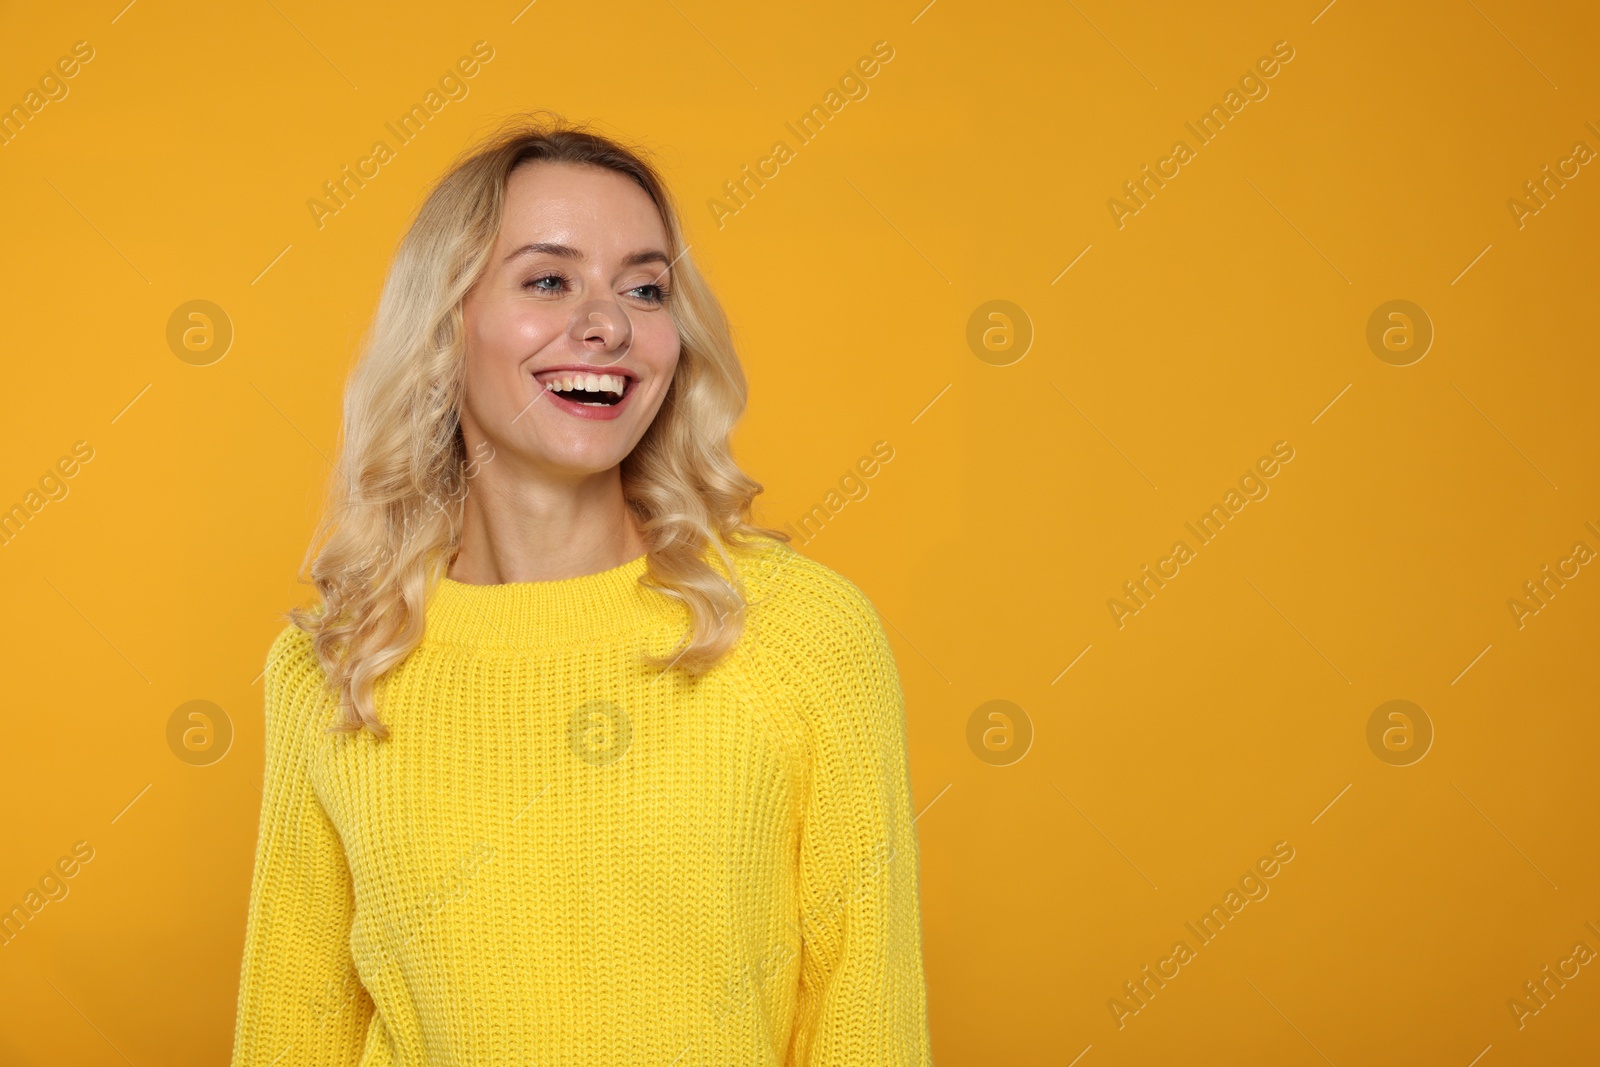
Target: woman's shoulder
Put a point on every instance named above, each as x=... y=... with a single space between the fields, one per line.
x=295 y=684
x=798 y=602
x=815 y=643
x=290 y=653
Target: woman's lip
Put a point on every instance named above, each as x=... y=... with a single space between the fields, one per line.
x=599 y=412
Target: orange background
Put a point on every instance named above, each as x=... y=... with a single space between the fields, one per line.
x=1229 y=313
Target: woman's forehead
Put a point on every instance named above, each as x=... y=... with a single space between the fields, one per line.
x=589 y=208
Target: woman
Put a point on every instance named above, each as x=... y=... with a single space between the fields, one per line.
x=572 y=764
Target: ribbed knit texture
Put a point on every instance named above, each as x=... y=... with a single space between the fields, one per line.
x=562 y=856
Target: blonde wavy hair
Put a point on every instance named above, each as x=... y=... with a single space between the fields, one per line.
x=391 y=522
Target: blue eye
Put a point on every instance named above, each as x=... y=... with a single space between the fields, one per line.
x=651 y=294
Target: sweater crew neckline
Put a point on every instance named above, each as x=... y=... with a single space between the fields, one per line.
x=556 y=611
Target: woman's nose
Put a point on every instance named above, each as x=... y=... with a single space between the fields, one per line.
x=602 y=327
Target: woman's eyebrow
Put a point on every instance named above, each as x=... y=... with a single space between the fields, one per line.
x=555 y=248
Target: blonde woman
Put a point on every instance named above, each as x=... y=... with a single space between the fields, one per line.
x=571 y=764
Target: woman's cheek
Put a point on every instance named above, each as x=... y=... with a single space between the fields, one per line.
x=665 y=343
x=532 y=331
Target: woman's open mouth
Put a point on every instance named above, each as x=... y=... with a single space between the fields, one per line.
x=591 y=396
x=592 y=389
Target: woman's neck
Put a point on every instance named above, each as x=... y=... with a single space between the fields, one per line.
x=519 y=529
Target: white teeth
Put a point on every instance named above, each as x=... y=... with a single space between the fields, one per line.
x=615 y=384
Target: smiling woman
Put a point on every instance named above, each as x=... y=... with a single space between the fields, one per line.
x=669 y=749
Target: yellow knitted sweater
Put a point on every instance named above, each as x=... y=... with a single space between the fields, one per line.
x=561 y=856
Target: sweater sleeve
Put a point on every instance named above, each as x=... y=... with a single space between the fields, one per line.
x=301 y=1001
x=862 y=994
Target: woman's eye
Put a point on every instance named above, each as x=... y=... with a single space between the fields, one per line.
x=534 y=283
x=654 y=294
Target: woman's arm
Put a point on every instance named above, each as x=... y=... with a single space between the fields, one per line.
x=862 y=993
x=300 y=999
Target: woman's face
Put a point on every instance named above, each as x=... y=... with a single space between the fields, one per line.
x=570 y=346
